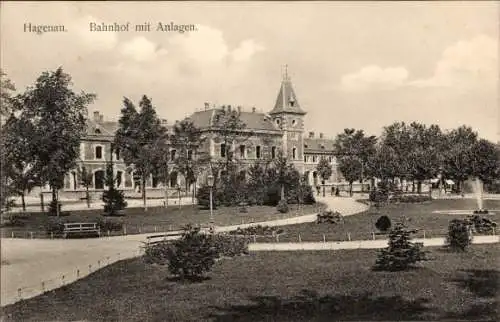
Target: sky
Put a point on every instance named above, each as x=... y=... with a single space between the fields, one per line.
x=360 y=65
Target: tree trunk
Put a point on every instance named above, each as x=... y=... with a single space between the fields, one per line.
x=41 y=200
x=143 y=187
x=179 y=190
x=419 y=186
x=350 y=189
x=87 y=196
x=282 y=192
x=166 y=188
x=413 y=186
x=23 y=202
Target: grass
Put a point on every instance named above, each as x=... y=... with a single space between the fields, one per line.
x=303 y=286
x=361 y=226
x=136 y=220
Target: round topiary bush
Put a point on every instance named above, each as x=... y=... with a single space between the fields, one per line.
x=383 y=223
x=282 y=206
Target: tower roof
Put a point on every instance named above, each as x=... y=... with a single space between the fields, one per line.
x=286 y=101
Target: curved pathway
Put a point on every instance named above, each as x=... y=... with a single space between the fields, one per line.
x=26 y=263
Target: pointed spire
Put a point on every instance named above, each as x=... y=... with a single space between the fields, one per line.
x=286 y=100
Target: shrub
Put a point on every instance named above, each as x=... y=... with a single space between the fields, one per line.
x=257 y=230
x=329 y=217
x=55 y=226
x=378 y=196
x=114 y=201
x=230 y=246
x=401 y=253
x=53 y=208
x=272 y=196
x=482 y=225
x=110 y=225
x=189 y=257
x=383 y=223
x=203 y=196
x=459 y=235
x=282 y=206
x=14 y=220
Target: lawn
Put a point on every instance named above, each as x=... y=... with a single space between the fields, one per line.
x=159 y=219
x=361 y=226
x=303 y=286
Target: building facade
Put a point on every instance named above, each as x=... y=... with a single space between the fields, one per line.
x=281 y=130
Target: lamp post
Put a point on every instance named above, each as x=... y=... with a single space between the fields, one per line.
x=210 y=182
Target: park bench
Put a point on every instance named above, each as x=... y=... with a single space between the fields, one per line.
x=81 y=228
x=155 y=239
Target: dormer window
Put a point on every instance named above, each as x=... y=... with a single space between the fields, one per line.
x=293 y=122
x=305 y=146
x=322 y=147
x=278 y=121
x=97 y=131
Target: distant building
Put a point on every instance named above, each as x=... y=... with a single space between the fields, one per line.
x=281 y=130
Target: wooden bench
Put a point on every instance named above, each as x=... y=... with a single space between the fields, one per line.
x=155 y=239
x=81 y=228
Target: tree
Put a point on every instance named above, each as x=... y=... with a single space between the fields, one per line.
x=401 y=252
x=17 y=138
x=113 y=198
x=324 y=170
x=58 y=117
x=485 y=161
x=354 y=151
x=86 y=180
x=142 y=138
x=188 y=160
x=459 y=154
x=383 y=223
x=7 y=88
x=426 y=156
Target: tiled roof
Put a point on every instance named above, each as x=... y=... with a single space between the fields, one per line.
x=253 y=120
x=287 y=100
x=318 y=145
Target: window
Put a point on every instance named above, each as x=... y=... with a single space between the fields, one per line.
x=257 y=152
x=172 y=155
x=314 y=158
x=242 y=151
x=278 y=121
x=305 y=158
x=190 y=155
x=330 y=159
x=117 y=152
x=98 y=152
x=97 y=131
x=223 y=150
x=273 y=152
x=294 y=153
x=322 y=147
x=305 y=146
x=119 y=175
x=99 y=179
x=293 y=121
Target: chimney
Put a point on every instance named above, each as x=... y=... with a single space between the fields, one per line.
x=321 y=135
x=207 y=106
x=96 y=116
x=311 y=135
x=253 y=109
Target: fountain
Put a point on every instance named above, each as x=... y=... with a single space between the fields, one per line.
x=478 y=191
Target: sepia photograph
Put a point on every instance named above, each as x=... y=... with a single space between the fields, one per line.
x=250 y=161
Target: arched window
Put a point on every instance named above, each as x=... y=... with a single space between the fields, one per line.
x=173 y=179
x=172 y=155
x=119 y=175
x=99 y=179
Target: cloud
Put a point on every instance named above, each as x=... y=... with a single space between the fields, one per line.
x=472 y=62
x=246 y=50
x=208 y=45
x=141 y=49
x=374 y=77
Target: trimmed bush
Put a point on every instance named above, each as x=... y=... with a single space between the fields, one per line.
x=329 y=217
x=383 y=223
x=282 y=206
x=258 y=230
x=459 y=235
x=111 y=225
x=230 y=246
x=401 y=253
x=189 y=257
x=482 y=225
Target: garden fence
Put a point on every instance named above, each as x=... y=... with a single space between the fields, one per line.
x=12 y=295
